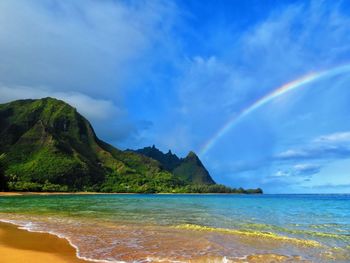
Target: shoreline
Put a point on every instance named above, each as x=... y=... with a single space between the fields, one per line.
x=58 y=193
x=20 y=245
x=3 y=194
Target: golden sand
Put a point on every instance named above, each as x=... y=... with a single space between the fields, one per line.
x=21 y=246
x=5 y=194
x=9 y=193
x=46 y=193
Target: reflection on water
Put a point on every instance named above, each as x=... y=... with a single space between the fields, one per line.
x=191 y=228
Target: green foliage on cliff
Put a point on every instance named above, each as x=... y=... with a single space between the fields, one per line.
x=189 y=169
x=169 y=161
x=192 y=170
x=46 y=145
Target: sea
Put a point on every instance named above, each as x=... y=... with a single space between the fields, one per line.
x=190 y=227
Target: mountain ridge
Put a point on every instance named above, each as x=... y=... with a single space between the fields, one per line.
x=189 y=168
x=47 y=145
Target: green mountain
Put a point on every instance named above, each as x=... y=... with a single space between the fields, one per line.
x=46 y=145
x=189 y=169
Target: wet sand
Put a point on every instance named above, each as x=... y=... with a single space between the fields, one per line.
x=21 y=246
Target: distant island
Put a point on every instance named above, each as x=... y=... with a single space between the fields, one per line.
x=47 y=146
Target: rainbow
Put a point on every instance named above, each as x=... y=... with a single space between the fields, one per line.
x=285 y=88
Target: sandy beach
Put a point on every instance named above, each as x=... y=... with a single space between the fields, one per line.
x=21 y=246
x=3 y=194
x=46 y=193
x=186 y=228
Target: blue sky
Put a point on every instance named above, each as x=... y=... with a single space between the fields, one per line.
x=171 y=73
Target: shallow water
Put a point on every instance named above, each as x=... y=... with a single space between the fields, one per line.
x=192 y=228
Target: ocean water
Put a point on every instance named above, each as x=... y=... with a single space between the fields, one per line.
x=191 y=228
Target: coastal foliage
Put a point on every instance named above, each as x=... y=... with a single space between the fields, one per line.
x=3 y=182
x=46 y=145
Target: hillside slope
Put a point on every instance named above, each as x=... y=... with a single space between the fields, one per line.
x=189 y=169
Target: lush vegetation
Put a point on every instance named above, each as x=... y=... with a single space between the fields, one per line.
x=46 y=145
x=169 y=161
x=3 y=180
x=192 y=170
x=189 y=169
x=216 y=188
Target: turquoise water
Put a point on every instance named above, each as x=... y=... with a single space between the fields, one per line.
x=156 y=227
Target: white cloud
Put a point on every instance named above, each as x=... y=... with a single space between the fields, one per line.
x=330 y=146
x=292 y=153
x=281 y=173
x=91 y=108
x=87 y=46
x=298 y=170
x=109 y=120
x=294 y=174
x=338 y=137
x=89 y=53
x=306 y=169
